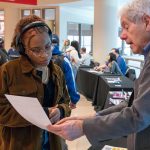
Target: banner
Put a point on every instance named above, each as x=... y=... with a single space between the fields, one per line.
x=30 y=2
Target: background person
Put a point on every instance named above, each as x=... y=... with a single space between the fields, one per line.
x=120 y=60
x=132 y=120
x=110 y=65
x=63 y=62
x=13 y=53
x=85 y=57
x=113 y=67
x=3 y=54
x=32 y=75
x=65 y=45
x=74 y=56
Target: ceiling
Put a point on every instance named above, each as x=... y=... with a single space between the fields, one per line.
x=83 y=4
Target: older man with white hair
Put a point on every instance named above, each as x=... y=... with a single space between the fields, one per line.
x=132 y=120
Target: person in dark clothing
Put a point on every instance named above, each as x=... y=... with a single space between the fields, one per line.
x=13 y=53
x=120 y=60
x=62 y=61
x=113 y=65
x=3 y=54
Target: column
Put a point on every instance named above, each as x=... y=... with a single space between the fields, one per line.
x=105 y=32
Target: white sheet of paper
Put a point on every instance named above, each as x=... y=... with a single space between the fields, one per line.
x=30 y=109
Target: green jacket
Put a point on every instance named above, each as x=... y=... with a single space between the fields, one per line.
x=18 y=77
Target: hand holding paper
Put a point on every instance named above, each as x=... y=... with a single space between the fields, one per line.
x=54 y=114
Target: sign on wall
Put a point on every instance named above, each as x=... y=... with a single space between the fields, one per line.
x=30 y=2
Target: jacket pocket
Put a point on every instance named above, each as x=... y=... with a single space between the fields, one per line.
x=23 y=90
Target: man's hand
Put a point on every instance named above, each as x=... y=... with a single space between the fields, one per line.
x=72 y=106
x=54 y=114
x=69 y=130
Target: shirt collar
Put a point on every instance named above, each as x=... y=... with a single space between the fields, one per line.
x=146 y=50
x=27 y=67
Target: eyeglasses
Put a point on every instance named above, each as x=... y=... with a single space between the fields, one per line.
x=40 y=51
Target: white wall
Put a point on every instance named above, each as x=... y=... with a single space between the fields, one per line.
x=105 y=28
x=12 y=15
x=70 y=14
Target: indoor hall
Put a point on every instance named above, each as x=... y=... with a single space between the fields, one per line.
x=98 y=30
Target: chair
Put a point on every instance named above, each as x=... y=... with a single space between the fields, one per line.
x=131 y=74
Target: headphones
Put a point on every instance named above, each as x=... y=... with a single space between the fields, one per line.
x=19 y=44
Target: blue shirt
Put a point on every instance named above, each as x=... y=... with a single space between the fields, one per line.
x=146 y=50
x=69 y=76
x=122 y=64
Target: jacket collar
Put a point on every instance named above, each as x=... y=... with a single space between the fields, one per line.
x=27 y=67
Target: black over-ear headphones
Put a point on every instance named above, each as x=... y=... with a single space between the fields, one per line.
x=19 y=44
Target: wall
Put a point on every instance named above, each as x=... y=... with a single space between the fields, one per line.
x=70 y=14
x=12 y=16
x=105 y=28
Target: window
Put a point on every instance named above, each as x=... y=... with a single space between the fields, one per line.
x=73 y=31
x=83 y=33
x=48 y=14
x=1 y=23
x=36 y=12
x=86 y=36
x=25 y=12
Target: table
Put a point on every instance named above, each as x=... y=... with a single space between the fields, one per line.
x=104 y=86
x=95 y=86
x=86 y=82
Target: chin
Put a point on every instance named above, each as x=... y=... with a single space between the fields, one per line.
x=136 y=50
x=43 y=64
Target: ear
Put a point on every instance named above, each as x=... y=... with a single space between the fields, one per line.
x=146 y=20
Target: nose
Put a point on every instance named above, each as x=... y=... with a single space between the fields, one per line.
x=44 y=53
x=123 y=35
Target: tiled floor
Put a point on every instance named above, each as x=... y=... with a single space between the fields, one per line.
x=84 y=107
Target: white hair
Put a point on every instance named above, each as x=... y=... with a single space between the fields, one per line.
x=135 y=9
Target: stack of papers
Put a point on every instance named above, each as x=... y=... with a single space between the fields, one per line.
x=94 y=71
x=107 y=147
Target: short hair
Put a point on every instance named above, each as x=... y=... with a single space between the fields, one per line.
x=83 y=49
x=135 y=10
x=117 y=50
x=67 y=40
x=75 y=44
x=21 y=24
x=112 y=57
x=1 y=40
x=55 y=39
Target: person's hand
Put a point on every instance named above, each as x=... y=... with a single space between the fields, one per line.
x=97 y=68
x=54 y=114
x=75 y=118
x=72 y=105
x=69 y=130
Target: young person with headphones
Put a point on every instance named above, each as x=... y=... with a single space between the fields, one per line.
x=33 y=75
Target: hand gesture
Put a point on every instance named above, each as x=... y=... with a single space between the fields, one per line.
x=72 y=106
x=69 y=129
x=54 y=114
